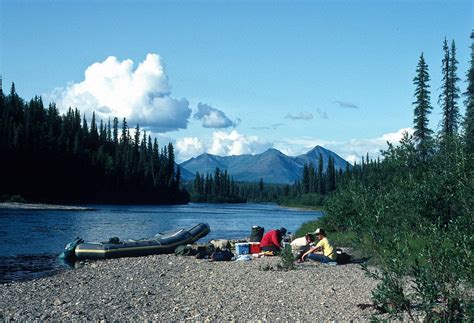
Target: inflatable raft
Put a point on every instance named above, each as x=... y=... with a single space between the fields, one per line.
x=162 y=243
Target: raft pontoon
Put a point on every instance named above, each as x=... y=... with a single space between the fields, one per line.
x=162 y=243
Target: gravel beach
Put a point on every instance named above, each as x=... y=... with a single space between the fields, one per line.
x=42 y=207
x=166 y=287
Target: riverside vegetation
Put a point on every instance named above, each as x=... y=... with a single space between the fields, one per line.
x=412 y=212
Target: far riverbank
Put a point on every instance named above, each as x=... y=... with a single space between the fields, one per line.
x=42 y=207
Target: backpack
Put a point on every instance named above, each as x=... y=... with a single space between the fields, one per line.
x=224 y=255
x=342 y=257
x=256 y=234
x=220 y=244
x=114 y=240
x=184 y=250
x=203 y=250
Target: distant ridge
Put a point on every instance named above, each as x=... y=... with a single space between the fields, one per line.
x=272 y=165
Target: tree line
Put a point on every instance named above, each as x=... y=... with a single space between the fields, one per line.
x=314 y=186
x=318 y=180
x=219 y=187
x=50 y=157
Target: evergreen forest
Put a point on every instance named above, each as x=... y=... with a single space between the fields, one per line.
x=311 y=191
x=49 y=157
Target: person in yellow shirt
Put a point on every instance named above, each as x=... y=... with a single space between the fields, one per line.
x=324 y=246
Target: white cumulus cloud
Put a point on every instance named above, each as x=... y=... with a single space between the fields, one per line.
x=113 y=88
x=234 y=143
x=222 y=143
x=189 y=147
x=213 y=118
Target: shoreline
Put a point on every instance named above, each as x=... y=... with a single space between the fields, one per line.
x=303 y=208
x=42 y=207
x=166 y=287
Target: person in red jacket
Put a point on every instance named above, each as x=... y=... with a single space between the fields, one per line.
x=271 y=241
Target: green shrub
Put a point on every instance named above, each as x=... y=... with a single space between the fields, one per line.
x=309 y=200
x=287 y=259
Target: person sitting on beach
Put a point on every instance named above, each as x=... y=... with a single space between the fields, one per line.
x=271 y=241
x=300 y=245
x=328 y=250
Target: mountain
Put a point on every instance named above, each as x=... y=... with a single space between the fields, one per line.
x=272 y=165
x=312 y=156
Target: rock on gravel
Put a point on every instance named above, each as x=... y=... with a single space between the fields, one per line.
x=166 y=287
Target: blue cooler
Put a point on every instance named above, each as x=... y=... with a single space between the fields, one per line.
x=242 y=248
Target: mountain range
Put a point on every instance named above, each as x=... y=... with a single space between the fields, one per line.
x=272 y=166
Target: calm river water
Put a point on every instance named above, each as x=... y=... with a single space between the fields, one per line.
x=31 y=240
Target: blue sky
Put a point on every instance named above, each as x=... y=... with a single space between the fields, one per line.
x=232 y=77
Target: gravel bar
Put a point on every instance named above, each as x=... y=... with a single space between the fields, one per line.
x=42 y=207
x=166 y=287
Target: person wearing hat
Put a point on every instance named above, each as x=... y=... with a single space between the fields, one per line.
x=324 y=245
x=300 y=245
x=271 y=241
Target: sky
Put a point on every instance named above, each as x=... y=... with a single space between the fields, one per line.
x=237 y=77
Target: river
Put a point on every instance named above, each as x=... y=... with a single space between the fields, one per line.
x=31 y=240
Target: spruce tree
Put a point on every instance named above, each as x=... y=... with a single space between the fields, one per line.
x=115 y=133
x=469 y=94
x=208 y=184
x=422 y=107
x=16 y=106
x=177 y=180
x=312 y=178
x=136 y=143
x=170 y=157
x=331 y=175
x=321 y=184
x=125 y=135
x=109 y=132
x=217 y=176
x=450 y=91
x=444 y=95
x=305 y=179
x=201 y=185
x=197 y=183
x=102 y=132
x=85 y=127
x=260 y=185
x=453 y=88
x=94 y=135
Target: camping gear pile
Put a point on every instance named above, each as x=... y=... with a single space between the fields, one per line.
x=227 y=250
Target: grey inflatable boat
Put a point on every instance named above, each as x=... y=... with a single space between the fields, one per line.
x=162 y=243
